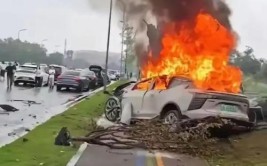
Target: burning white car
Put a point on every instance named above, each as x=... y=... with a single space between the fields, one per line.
x=178 y=99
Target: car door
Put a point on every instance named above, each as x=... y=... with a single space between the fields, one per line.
x=152 y=101
x=135 y=96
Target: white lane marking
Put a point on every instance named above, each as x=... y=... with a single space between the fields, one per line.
x=73 y=161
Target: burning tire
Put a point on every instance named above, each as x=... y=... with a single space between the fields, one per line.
x=112 y=109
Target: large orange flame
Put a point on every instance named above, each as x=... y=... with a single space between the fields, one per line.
x=199 y=52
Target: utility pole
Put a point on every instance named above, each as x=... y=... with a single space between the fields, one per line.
x=107 y=51
x=65 y=48
x=122 y=37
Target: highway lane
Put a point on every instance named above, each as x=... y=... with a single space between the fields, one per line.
x=48 y=103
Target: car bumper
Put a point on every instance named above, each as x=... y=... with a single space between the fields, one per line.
x=68 y=85
x=203 y=113
x=31 y=80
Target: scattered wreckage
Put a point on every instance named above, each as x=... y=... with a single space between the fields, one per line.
x=177 y=100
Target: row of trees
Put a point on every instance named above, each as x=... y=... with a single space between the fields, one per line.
x=249 y=64
x=130 y=55
x=16 y=50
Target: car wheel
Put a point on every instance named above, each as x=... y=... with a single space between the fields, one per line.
x=88 y=88
x=112 y=109
x=171 y=117
x=80 y=88
x=252 y=117
x=59 y=88
x=16 y=83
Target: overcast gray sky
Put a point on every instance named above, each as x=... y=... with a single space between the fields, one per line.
x=86 y=28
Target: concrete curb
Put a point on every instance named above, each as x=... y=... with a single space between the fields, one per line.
x=81 y=98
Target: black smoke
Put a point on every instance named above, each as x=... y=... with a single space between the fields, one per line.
x=170 y=10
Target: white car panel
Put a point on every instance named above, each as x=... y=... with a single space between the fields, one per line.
x=134 y=97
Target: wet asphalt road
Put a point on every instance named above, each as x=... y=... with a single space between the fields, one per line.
x=136 y=157
x=48 y=103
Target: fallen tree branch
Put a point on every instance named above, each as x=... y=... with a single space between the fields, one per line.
x=193 y=136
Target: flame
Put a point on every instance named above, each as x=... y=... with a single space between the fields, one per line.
x=200 y=52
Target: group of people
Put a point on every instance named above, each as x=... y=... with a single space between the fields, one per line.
x=39 y=77
x=10 y=69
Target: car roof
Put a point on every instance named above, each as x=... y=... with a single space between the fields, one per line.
x=95 y=66
x=33 y=66
x=53 y=65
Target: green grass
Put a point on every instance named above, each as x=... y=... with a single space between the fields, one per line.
x=252 y=85
x=246 y=150
x=40 y=148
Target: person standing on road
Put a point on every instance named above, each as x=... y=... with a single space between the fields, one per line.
x=10 y=70
x=51 y=78
x=1 y=74
x=3 y=71
x=38 y=78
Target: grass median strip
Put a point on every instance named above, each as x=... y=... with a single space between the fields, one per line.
x=37 y=147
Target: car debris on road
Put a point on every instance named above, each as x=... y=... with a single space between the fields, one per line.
x=8 y=108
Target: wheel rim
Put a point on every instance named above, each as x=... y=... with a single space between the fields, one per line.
x=171 y=118
x=111 y=109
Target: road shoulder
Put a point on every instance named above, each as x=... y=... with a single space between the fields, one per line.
x=37 y=147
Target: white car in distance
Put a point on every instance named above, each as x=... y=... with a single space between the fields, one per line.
x=26 y=74
x=112 y=74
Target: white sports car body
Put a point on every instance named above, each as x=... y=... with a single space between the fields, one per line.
x=177 y=98
x=26 y=74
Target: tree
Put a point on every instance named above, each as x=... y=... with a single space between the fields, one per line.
x=129 y=40
x=56 y=58
x=16 y=50
x=247 y=61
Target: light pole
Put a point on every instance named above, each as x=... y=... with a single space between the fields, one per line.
x=42 y=42
x=107 y=52
x=122 y=36
x=20 y=31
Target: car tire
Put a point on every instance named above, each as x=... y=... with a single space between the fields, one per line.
x=112 y=109
x=88 y=88
x=252 y=117
x=171 y=117
x=80 y=88
x=16 y=83
x=59 y=88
